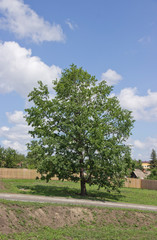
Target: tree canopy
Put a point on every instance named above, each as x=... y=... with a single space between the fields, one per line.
x=80 y=134
x=153 y=161
x=153 y=165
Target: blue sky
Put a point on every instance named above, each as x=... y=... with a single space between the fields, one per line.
x=113 y=40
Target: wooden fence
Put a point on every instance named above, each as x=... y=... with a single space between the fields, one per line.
x=132 y=183
x=149 y=184
x=141 y=183
x=18 y=173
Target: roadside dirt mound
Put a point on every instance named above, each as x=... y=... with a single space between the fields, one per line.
x=21 y=218
x=24 y=218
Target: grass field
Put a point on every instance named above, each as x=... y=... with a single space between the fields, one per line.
x=31 y=221
x=88 y=232
x=72 y=190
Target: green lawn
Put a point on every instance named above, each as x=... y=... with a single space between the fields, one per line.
x=86 y=232
x=72 y=190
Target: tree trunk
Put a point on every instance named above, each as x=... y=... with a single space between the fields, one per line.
x=83 y=188
x=83 y=183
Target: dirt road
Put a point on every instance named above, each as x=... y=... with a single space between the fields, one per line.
x=72 y=201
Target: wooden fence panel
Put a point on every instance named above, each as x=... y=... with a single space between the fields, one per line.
x=132 y=183
x=18 y=173
x=149 y=184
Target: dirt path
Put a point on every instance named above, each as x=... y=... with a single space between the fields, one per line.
x=72 y=201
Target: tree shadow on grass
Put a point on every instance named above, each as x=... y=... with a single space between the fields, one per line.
x=58 y=191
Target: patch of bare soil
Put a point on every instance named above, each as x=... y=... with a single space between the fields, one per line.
x=16 y=218
x=23 y=218
x=126 y=218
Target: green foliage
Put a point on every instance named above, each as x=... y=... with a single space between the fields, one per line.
x=34 y=155
x=153 y=165
x=153 y=161
x=153 y=175
x=137 y=164
x=1 y=156
x=10 y=158
x=80 y=134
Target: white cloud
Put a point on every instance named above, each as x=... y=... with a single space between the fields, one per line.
x=15 y=145
x=152 y=143
x=144 y=40
x=17 y=136
x=111 y=77
x=139 y=144
x=4 y=129
x=70 y=24
x=16 y=117
x=20 y=19
x=20 y=71
x=142 y=149
x=143 y=107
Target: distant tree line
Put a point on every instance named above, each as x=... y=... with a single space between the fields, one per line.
x=10 y=158
x=153 y=165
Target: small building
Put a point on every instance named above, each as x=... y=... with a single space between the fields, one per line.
x=137 y=173
x=146 y=165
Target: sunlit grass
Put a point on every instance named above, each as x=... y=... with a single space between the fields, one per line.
x=86 y=231
x=72 y=190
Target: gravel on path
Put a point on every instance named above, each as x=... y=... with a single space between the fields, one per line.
x=72 y=201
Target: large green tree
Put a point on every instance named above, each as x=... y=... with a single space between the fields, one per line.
x=80 y=134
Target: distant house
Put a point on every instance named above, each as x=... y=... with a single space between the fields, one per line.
x=137 y=173
x=146 y=165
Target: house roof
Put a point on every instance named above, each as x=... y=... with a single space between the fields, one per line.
x=139 y=174
x=145 y=163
